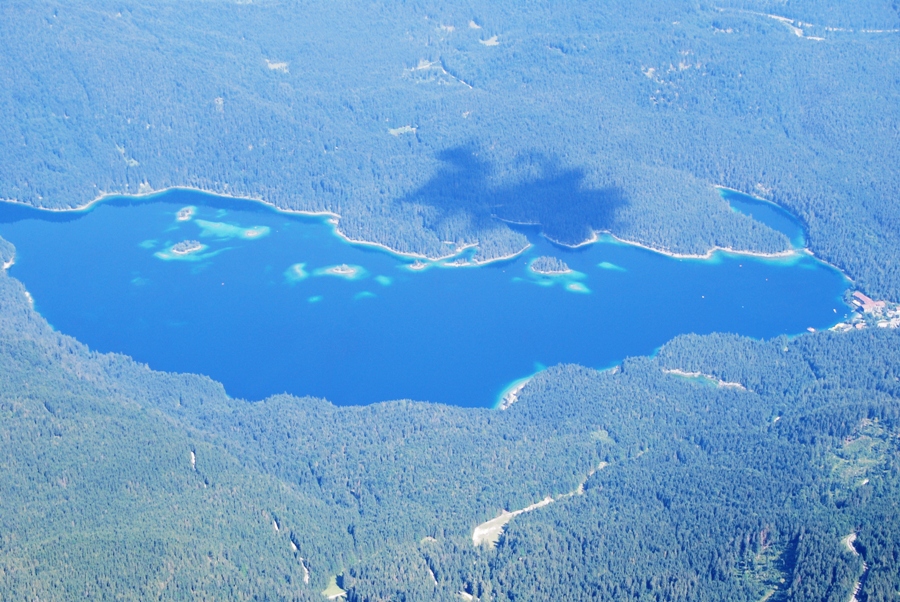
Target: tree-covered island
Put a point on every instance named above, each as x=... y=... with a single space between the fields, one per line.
x=550 y=266
x=186 y=247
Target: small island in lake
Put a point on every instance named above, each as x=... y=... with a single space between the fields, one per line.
x=187 y=246
x=550 y=266
x=185 y=214
x=186 y=250
x=350 y=272
x=342 y=270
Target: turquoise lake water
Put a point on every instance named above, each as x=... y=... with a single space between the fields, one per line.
x=260 y=307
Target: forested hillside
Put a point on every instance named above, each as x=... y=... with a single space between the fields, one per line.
x=117 y=482
x=424 y=123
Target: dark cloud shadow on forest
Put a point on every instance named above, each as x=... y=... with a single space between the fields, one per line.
x=553 y=196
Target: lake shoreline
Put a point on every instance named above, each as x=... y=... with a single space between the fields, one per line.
x=597 y=236
x=333 y=220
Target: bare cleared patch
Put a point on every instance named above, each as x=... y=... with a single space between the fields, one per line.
x=706 y=378
x=406 y=129
x=489 y=532
x=277 y=66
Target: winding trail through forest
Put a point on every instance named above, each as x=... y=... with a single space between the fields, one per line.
x=848 y=541
x=489 y=532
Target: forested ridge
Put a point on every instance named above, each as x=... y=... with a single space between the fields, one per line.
x=120 y=482
x=426 y=125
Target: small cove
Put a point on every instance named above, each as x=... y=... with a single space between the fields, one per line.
x=768 y=213
x=268 y=302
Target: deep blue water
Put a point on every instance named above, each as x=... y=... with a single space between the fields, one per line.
x=768 y=213
x=241 y=311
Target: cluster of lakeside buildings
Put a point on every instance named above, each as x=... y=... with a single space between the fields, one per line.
x=869 y=312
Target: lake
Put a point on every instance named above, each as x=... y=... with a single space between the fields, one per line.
x=268 y=302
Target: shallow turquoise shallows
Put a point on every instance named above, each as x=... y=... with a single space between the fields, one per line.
x=268 y=302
